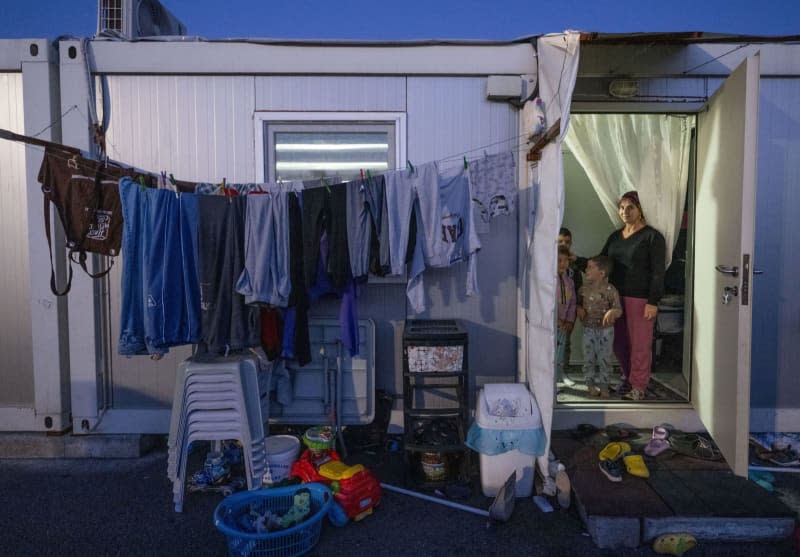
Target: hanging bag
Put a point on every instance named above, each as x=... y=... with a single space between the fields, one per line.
x=85 y=194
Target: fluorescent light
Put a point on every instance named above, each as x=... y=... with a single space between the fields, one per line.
x=331 y=146
x=329 y=165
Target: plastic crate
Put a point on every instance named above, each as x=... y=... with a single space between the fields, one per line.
x=297 y=540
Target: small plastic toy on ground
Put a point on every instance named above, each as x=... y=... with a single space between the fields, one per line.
x=215 y=477
x=354 y=487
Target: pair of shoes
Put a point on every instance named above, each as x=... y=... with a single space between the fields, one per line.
x=674 y=544
x=614 y=450
x=695 y=446
x=634 y=394
x=564 y=489
x=659 y=442
x=612 y=470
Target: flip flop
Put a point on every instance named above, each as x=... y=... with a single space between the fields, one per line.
x=695 y=446
x=674 y=544
x=634 y=464
x=614 y=450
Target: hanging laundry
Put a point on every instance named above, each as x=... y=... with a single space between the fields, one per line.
x=271 y=331
x=228 y=323
x=348 y=310
x=494 y=185
x=401 y=194
x=86 y=197
x=325 y=210
x=160 y=289
x=446 y=233
x=265 y=278
x=367 y=230
x=296 y=343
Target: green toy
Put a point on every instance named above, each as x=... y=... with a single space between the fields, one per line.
x=299 y=511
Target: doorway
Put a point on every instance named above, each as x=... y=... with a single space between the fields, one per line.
x=590 y=222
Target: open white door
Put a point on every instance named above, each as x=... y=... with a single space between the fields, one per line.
x=723 y=257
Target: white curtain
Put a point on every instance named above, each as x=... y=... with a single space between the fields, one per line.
x=648 y=153
x=557 y=57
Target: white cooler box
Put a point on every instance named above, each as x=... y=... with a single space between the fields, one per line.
x=512 y=410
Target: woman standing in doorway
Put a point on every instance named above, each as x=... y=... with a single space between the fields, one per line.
x=638 y=251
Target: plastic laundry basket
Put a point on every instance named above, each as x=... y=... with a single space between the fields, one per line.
x=297 y=540
x=521 y=426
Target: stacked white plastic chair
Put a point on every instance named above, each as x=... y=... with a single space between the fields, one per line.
x=216 y=400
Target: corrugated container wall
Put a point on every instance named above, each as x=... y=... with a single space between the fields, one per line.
x=201 y=128
x=776 y=304
x=16 y=370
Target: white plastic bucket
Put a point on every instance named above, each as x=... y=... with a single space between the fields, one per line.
x=282 y=451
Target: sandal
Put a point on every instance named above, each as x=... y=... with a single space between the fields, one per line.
x=659 y=441
x=614 y=450
x=634 y=464
x=695 y=446
x=674 y=544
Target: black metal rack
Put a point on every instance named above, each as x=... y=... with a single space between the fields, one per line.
x=435 y=400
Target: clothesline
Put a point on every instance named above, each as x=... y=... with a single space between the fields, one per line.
x=12 y=136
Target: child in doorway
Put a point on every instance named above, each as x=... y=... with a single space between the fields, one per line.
x=600 y=307
x=577 y=266
x=566 y=302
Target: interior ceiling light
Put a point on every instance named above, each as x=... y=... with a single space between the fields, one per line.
x=623 y=88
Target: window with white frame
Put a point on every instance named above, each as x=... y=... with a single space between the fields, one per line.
x=336 y=146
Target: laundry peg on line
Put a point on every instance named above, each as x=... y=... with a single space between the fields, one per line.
x=172 y=180
x=466 y=165
x=410 y=166
x=163 y=178
x=142 y=185
x=361 y=170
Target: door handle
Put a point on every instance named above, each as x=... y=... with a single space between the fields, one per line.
x=732 y=270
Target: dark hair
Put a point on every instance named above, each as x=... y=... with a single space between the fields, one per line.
x=604 y=263
x=563 y=250
x=564 y=231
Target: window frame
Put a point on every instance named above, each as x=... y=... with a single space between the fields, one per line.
x=329 y=118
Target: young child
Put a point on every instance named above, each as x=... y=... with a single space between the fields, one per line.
x=566 y=302
x=600 y=307
x=577 y=266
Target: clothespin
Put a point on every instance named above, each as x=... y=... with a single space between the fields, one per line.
x=73 y=162
x=324 y=182
x=163 y=178
x=369 y=177
x=172 y=180
x=465 y=163
x=362 y=173
x=410 y=166
x=141 y=183
x=225 y=191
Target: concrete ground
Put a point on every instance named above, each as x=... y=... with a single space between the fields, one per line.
x=98 y=507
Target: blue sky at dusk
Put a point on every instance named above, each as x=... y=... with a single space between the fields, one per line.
x=414 y=19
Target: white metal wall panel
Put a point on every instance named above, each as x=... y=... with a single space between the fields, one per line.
x=450 y=117
x=199 y=128
x=336 y=93
x=16 y=371
x=776 y=305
